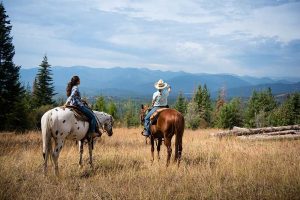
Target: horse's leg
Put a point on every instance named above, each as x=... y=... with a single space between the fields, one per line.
x=46 y=155
x=90 y=142
x=169 y=149
x=55 y=154
x=152 y=147
x=80 y=152
x=178 y=148
x=158 y=147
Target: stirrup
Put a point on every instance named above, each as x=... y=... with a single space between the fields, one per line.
x=143 y=133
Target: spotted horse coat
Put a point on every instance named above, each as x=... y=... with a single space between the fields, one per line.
x=60 y=124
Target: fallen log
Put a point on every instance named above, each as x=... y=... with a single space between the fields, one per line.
x=270 y=137
x=292 y=132
x=237 y=131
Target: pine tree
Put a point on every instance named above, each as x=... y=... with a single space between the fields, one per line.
x=112 y=109
x=203 y=102
x=259 y=108
x=130 y=117
x=230 y=114
x=198 y=98
x=12 y=112
x=206 y=104
x=192 y=116
x=100 y=104
x=219 y=104
x=288 y=113
x=181 y=104
x=43 y=85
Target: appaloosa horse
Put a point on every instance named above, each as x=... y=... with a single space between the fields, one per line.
x=169 y=122
x=61 y=124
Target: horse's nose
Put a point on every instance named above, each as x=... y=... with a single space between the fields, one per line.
x=110 y=133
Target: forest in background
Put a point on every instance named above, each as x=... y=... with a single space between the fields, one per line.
x=21 y=107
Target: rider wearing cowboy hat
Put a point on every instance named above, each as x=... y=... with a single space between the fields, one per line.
x=159 y=100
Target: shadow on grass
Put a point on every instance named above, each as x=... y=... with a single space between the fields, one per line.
x=111 y=165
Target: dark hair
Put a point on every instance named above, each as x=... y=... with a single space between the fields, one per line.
x=74 y=81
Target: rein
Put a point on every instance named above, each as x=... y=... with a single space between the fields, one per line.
x=100 y=124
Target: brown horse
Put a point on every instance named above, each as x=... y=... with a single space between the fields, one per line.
x=169 y=122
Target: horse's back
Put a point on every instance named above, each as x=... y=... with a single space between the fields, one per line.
x=170 y=118
x=62 y=121
x=172 y=115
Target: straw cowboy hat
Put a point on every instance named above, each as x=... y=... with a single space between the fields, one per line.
x=160 y=84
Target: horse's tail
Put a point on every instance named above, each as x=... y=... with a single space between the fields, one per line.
x=179 y=129
x=46 y=137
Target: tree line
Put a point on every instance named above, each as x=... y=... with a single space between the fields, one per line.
x=260 y=110
x=21 y=107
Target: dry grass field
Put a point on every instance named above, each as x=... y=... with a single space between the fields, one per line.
x=210 y=169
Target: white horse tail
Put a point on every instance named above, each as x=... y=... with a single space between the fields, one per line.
x=46 y=137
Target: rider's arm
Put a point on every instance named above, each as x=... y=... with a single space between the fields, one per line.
x=74 y=92
x=169 y=88
x=154 y=98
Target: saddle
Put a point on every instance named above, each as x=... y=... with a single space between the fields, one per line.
x=154 y=116
x=77 y=113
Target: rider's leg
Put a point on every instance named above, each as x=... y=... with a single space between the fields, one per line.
x=89 y=113
x=147 y=121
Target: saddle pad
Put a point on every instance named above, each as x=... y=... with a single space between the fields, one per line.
x=154 y=116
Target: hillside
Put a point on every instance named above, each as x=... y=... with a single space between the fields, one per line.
x=134 y=82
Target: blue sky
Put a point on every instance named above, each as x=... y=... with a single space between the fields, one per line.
x=246 y=37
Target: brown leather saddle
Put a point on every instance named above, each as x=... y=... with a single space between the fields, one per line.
x=154 y=116
x=77 y=113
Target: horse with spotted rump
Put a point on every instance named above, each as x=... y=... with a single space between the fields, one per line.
x=59 y=124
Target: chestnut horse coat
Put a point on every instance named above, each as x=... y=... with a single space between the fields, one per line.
x=170 y=122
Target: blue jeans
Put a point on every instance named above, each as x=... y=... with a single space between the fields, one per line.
x=147 y=120
x=91 y=116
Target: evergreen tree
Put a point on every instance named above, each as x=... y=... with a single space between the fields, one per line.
x=206 y=104
x=219 y=104
x=181 y=104
x=100 y=104
x=288 y=113
x=12 y=112
x=131 y=117
x=198 y=99
x=259 y=108
x=192 y=116
x=203 y=102
x=43 y=90
x=112 y=109
x=230 y=115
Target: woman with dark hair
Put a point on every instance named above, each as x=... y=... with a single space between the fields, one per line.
x=74 y=99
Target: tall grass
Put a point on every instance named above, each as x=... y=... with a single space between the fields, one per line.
x=210 y=169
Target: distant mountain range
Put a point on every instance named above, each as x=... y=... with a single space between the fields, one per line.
x=136 y=82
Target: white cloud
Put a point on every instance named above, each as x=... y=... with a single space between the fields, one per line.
x=187 y=11
x=282 y=22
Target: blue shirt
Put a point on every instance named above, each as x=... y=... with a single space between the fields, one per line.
x=75 y=99
x=160 y=99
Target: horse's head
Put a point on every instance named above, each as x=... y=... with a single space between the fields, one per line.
x=108 y=125
x=107 y=122
x=143 y=112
